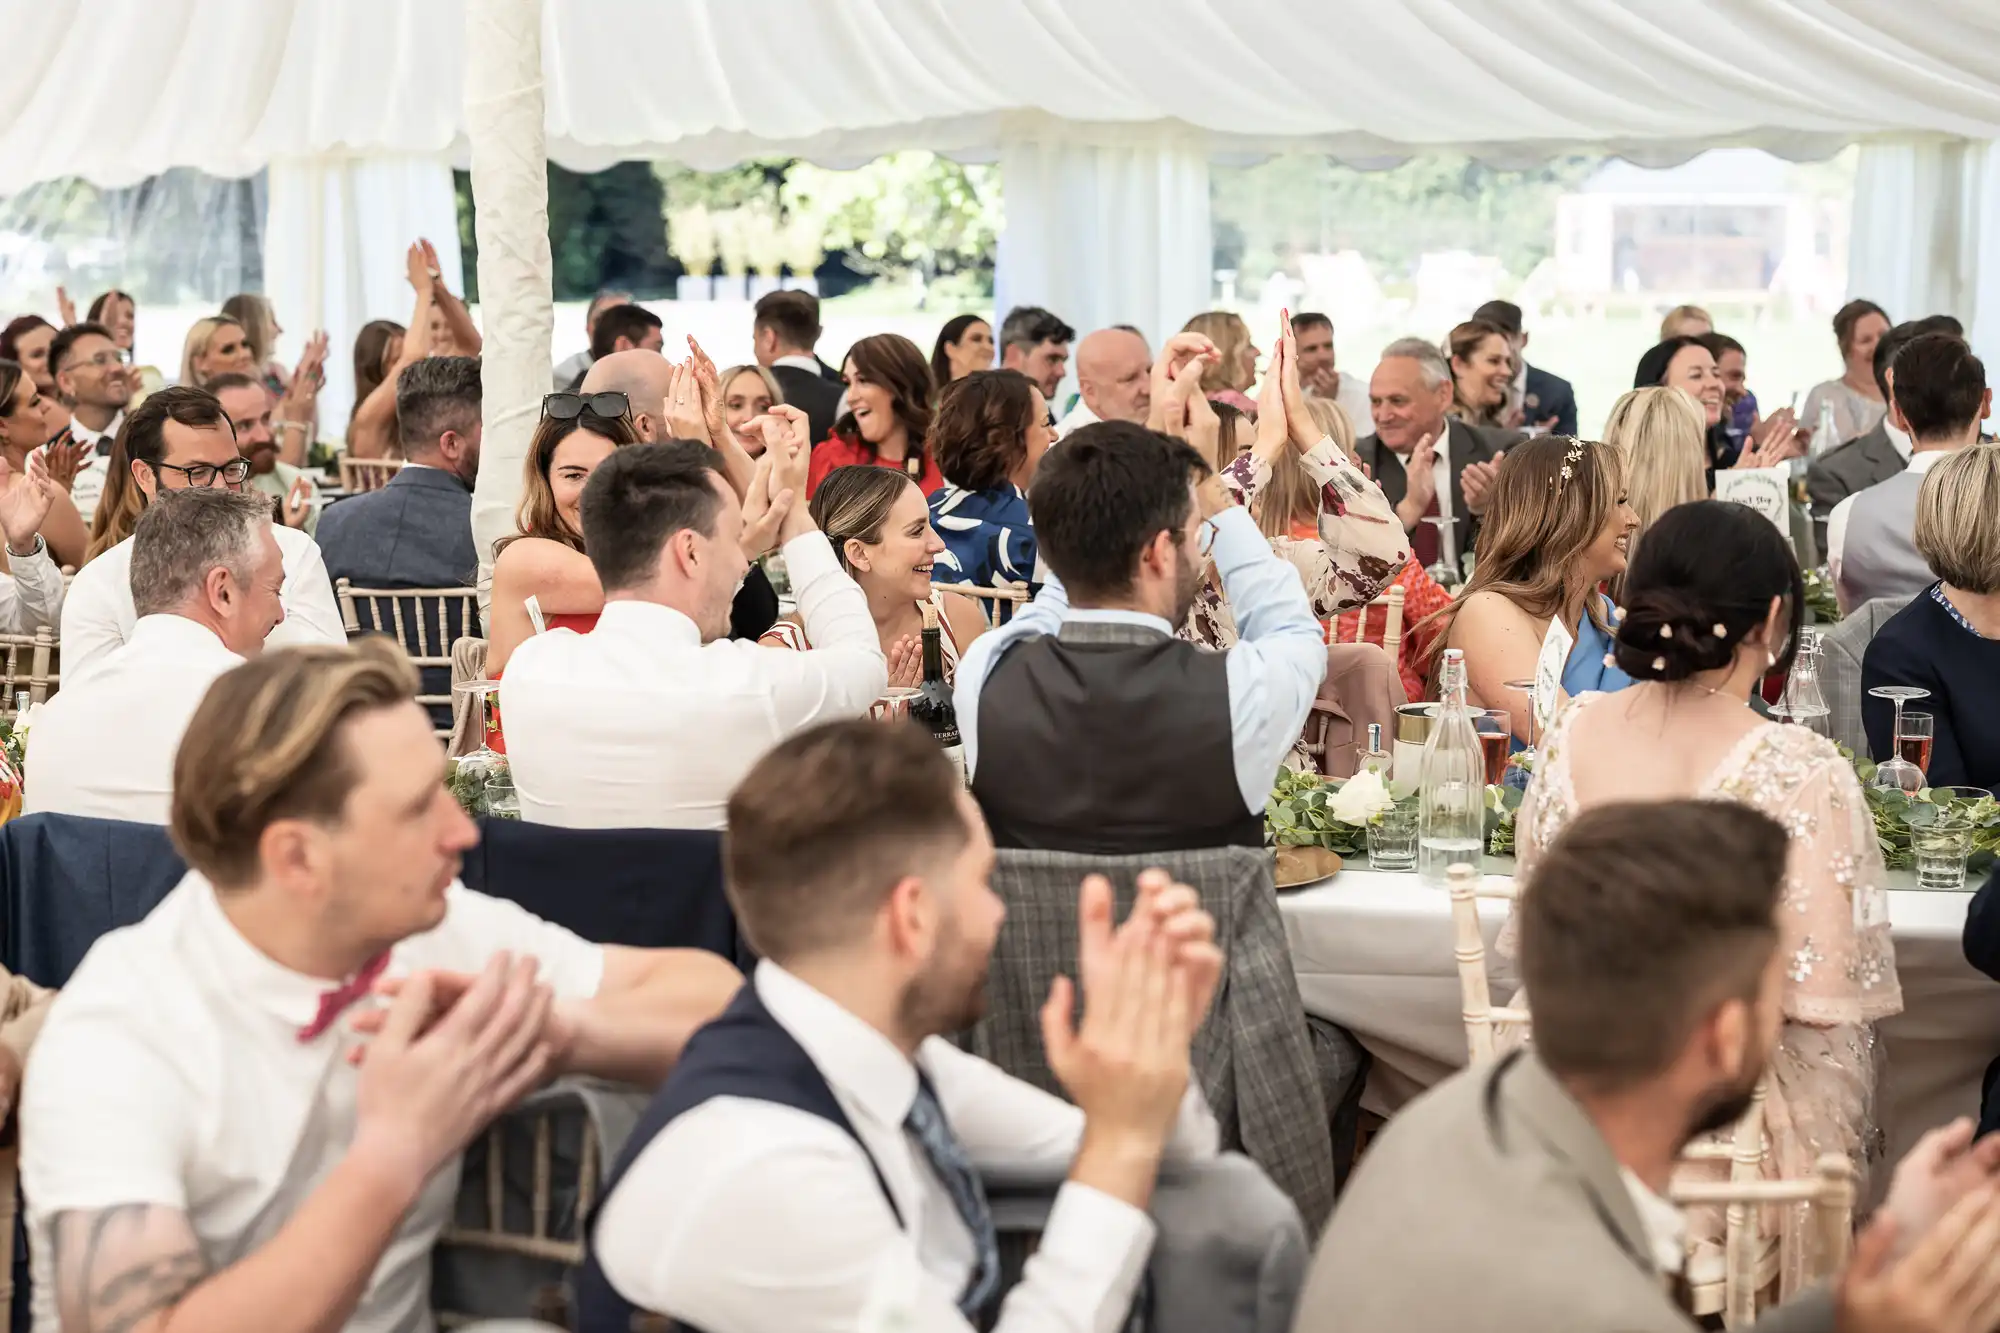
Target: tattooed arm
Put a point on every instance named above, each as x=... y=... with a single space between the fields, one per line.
x=137 y=1267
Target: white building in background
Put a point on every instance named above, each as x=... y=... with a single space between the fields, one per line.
x=1730 y=227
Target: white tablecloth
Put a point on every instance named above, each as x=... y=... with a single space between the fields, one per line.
x=1373 y=954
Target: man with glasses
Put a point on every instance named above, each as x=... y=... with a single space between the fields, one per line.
x=1126 y=518
x=181 y=437
x=93 y=376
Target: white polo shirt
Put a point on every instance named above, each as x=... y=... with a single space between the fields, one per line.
x=170 y=1072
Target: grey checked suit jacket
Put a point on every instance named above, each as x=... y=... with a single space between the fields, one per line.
x=416 y=532
x=1492 y=1203
x=1841 y=650
x=1265 y=1075
x=1855 y=466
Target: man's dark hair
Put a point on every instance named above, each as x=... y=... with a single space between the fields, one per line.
x=1899 y=337
x=59 y=348
x=1029 y=326
x=1638 y=920
x=638 y=498
x=1099 y=499
x=1310 y=319
x=1502 y=315
x=143 y=435
x=793 y=316
x=1940 y=385
x=806 y=875
x=1718 y=343
x=629 y=322
x=232 y=379
x=434 y=395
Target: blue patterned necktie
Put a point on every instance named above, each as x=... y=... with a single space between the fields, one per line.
x=946 y=1156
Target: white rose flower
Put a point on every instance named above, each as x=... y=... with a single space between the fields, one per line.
x=26 y=720
x=1360 y=798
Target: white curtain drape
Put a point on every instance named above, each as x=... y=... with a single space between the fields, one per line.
x=1106 y=235
x=1926 y=234
x=337 y=231
x=503 y=105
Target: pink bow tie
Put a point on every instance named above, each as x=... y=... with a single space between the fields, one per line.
x=337 y=1001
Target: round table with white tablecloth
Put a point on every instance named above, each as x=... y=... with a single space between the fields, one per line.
x=1373 y=953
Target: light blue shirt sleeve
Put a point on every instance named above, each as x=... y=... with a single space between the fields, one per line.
x=1279 y=661
x=1044 y=615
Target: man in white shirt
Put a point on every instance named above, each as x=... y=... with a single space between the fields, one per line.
x=1937 y=400
x=1322 y=377
x=1113 y=379
x=180 y=437
x=31 y=592
x=95 y=378
x=814 y=1163
x=209 y=1143
x=650 y=719
x=567 y=371
x=205 y=579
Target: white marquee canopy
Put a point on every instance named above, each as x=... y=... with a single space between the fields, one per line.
x=1103 y=114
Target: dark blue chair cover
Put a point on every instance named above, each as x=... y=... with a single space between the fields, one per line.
x=646 y=888
x=69 y=879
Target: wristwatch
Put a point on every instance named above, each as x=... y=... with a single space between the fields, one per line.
x=38 y=548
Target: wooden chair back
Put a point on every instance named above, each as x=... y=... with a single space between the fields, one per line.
x=1391 y=603
x=367 y=474
x=425 y=621
x=997 y=603
x=1750 y=1264
x=27 y=662
x=554 y=1230
x=1481 y=1015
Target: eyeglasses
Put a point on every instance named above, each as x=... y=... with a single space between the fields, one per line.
x=569 y=406
x=103 y=360
x=204 y=474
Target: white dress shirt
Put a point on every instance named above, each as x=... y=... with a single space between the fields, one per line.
x=1921 y=461
x=31 y=595
x=1663 y=1223
x=743 y=1216
x=1441 y=478
x=1352 y=397
x=1274 y=671
x=170 y=1072
x=88 y=484
x=1076 y=419
x=639 y=724
x=98 y=614
x=104 y=746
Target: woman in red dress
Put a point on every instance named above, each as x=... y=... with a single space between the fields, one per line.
x=889 y=399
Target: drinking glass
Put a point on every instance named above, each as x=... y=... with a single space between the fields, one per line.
x=1445 y=570
x=1897 y=773
x=1913 y=740
x=1496 y=741
x=1942 y=846
x=894 y=703
x=502 y=801
x=1521 y=766
x=471 y=770
x=1392 y=838
x=1801 y=702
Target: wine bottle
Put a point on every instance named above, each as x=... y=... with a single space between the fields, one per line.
x=1451 y=809
x=933 y=706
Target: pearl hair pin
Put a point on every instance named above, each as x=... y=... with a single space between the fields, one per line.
x=1610 y=661
x=1720 y=631
x=1666 y=631
x=1659 y=664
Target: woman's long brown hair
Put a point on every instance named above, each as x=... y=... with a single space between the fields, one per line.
x=537 y=515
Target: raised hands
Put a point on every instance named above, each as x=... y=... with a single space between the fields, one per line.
x=66 y=456
x=764 y=514
x=1177 y=380
x=1475 y=482
x=65 y=308
x=685 y=417
x=297 y=505
x=302 y=393
x=1776 y=439
x=25 y=500
x=788 y=450
x=906 y=662
x=417 y=267
x=1420 y=481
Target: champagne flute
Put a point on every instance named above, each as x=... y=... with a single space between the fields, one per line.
x=1898 y=773
x=1913 y=740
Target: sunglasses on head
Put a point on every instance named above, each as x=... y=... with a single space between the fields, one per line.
x=569 y=406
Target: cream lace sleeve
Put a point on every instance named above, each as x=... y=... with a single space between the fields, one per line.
x=1833 y=920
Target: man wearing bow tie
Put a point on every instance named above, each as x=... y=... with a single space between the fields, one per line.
x=248 y=1109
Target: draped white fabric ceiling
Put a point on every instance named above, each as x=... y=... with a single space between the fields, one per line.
x=115 y=90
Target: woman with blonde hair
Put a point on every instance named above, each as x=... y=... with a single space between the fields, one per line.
x=1482 y=373
x=1686 y=321
x=1558 y=527
x=215 y=345
x=261 y=328
x=879 y=525
x=1228 y=376
x=748 y=392
x=1660 y=434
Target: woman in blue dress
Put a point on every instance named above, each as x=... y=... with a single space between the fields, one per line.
x=988 y=435
x=1557 y=529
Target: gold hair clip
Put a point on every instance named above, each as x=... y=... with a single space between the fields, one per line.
x=1571 y=457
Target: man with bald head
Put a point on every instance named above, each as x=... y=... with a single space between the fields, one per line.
x=646 y=378
x=1114 y=373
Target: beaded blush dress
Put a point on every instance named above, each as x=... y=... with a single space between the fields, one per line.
x=1840 y=967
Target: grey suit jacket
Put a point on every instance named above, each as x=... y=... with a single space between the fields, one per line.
x=1855 y=466
x=1842 y=648
x=416 y=532
x=1492 y=1203
x=1469 y=444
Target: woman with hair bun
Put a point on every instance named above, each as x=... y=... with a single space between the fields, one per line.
x=1714 y=600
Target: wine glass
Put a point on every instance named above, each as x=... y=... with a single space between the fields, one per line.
x=471 y=771
x=1445 y=570
x=1897 y=773
x=1522 y=762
